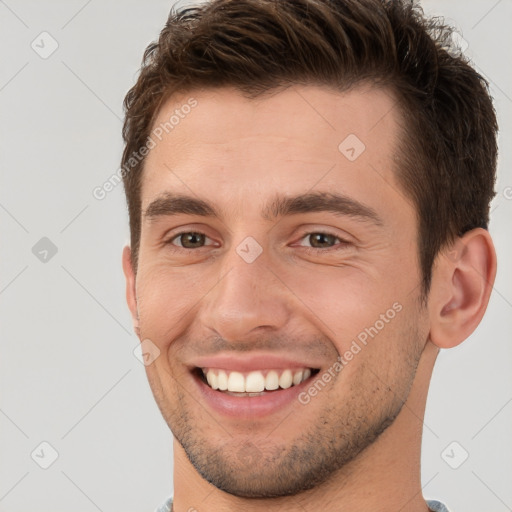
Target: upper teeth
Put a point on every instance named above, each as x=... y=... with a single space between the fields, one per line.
x=256 y=381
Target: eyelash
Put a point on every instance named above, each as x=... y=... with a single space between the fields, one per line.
x=315 y=250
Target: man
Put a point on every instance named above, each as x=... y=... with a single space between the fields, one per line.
x=308 y=184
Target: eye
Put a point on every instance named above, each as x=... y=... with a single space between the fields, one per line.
x=319 y=240
x=188 y=240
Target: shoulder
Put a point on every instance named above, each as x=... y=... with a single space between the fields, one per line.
x=165 y=506
x=436 y=506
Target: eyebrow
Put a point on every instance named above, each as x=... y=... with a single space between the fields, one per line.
x=280 y=206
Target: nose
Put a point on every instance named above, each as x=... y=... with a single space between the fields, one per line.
x=248 y=297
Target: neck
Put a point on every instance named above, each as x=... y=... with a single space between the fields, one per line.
x=384 y=477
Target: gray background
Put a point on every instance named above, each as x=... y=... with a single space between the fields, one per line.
x=68 y=373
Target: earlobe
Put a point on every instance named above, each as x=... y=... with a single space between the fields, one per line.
x=131 y=296
x=462 y=282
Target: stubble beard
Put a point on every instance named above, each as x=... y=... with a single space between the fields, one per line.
x=253 y=467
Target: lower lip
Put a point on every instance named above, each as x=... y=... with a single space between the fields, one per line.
x=251 y=406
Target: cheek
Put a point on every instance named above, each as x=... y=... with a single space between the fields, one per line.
x=344 y=301
x=166 y=297
x=370 y=322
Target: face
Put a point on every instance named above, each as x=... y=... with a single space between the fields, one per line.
x=278 y=277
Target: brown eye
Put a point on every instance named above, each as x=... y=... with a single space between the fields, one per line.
x=318 y=242
x=322 y=240
x=189 y=240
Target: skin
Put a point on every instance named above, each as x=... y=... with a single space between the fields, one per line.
x=356 y=444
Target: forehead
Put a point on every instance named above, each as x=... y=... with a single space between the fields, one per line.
x=287 y=141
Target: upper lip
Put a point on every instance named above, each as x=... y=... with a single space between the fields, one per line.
x=252 y=362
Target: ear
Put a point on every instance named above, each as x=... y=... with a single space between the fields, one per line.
x=462 y=282
x=131 y=296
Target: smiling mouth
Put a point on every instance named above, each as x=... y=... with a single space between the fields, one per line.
x=254 y=383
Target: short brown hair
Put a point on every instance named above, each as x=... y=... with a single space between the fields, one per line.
x=446 y=161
